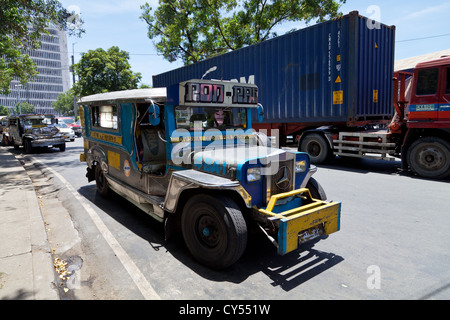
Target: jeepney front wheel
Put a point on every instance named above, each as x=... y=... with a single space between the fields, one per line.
x=214 y=230
x=101 y=182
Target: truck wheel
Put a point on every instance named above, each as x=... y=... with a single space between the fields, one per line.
x=317 y=147
x=430 y=157
x=62 y=147
x=101 y=182
x=214 y=230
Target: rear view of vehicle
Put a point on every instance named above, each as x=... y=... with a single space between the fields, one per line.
x=71 y=123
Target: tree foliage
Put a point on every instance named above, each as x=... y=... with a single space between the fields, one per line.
x=104 y=71
x=193 y=30
x=16 y=16
x=64 y=104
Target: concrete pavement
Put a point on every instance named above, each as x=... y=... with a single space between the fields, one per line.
x=26 y=265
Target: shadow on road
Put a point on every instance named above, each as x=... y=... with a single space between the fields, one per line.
x=287 y=271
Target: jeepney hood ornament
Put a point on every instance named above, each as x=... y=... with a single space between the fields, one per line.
x=228 y=162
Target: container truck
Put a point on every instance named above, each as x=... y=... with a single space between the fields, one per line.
x=332 y=87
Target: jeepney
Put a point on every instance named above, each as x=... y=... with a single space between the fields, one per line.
x=33 y=130
x=187 y=156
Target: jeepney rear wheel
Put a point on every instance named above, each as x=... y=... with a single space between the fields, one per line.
x=101 y=182
x=214 y=230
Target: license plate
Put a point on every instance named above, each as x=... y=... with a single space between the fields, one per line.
x=310 y=234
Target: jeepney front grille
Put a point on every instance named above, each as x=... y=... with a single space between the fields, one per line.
x=282 y=180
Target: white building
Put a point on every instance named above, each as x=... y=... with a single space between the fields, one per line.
x=52 y=62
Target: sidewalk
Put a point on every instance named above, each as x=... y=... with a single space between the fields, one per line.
x=26 y=266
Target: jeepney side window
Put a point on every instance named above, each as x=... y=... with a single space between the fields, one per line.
x=427 y=82
x=105 y=117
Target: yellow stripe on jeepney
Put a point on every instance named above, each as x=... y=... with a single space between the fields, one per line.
x=114 y=160
x=106 y=137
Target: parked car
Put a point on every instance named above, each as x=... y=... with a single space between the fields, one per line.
x=68 y=133
x=70 y=121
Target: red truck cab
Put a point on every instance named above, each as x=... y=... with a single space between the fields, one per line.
x=430 y=95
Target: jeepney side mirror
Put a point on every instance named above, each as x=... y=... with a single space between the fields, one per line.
x=154 y=114
x=260 y=112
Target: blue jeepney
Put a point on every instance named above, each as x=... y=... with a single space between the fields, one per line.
x=187 y=156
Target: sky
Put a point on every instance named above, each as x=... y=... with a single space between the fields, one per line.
x=421 y=27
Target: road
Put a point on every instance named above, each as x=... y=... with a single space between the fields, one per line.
x=393 y=243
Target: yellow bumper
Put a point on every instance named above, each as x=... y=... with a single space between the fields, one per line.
x=303 y=215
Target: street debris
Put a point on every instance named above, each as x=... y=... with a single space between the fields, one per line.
x=61 y=269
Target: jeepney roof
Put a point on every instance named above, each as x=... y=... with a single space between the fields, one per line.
x=156 y=94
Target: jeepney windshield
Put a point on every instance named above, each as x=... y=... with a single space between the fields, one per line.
x=205 y=118
x=36 y=121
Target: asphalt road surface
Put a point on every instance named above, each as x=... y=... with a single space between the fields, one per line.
x=393 y=243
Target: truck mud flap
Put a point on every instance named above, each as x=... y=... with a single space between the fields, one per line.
x=303 y=219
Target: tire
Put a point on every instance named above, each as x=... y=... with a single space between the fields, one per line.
x=429 y=157
x=101 y=182
x=214 y=230
x=27 y=146
x=62 y=147
x=317 y=147
x=16 y=146
x=316 y=189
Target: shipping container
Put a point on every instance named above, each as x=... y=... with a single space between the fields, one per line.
x=338 y=72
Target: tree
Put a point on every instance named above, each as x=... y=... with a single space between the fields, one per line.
x=193 y=30
x=16 y=16
x=64 y=103
x=4 y=111
x=103 y=71
x=26 y=108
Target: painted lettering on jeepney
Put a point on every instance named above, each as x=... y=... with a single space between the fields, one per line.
x=243 y=137
x=106 y=137
x=211 y=166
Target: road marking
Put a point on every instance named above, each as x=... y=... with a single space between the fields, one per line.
x=139 y=279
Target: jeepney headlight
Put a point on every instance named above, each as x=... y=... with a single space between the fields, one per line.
x=253 y=174
x=300 y=166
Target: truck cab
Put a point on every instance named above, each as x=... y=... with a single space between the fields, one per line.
x=426 y=125
x=187 y=155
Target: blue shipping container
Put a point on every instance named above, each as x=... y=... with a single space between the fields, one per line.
x=336 y=72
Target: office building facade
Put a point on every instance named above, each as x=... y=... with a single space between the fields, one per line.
x=52 y=62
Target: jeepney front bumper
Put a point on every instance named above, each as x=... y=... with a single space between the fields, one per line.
x=301 y=218
x=47 y=142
